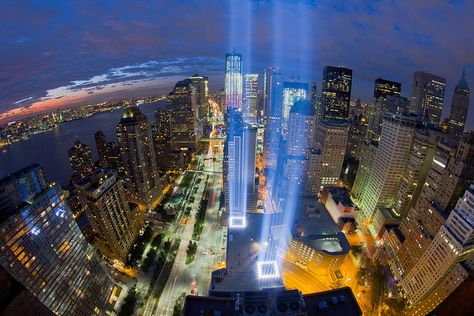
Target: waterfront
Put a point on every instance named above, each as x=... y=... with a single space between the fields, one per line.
x=49 y=149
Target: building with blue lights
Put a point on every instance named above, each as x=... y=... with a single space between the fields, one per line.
x=273 y=107
x=292 y=92
x=250 y=98
x=233 y=81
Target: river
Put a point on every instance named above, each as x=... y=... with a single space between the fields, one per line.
x=49 y=149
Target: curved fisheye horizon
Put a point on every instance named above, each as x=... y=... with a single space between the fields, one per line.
x=67 y=57
x=236 y=158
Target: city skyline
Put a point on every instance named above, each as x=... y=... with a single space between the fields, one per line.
x=237 y=168
x=148 y=68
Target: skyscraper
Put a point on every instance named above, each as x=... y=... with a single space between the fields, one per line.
x=201 y=84
x=273 y=92
x=419 y=164
x=301 y=127
x=115 y=225
x=336 y=93
x=441 y=268
x=109 y=153
x=80 y=158
x=383 y=89
x=250 y=98
x=292 y=92
x=427 y=96
x=459 y=108
x=273 y=84
x=161 y=131
x=101 y=144
x=240 y=162
x=233 y=81
x=184 y=122
x=138 y=156
x=367 y=154
x=389 y=163
x=331 y=140
x=43 y=249
x=451 y=174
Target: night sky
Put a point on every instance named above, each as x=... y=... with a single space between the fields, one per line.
x=61 y=53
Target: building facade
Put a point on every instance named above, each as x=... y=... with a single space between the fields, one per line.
x=427 y=97
x=459 y=108
x=115 y=225
x=80 y=159
x=233 y=81
x=425 y=285
x=336 y=93
x=389 y=164
x=138 y=156
x=250 y=98
x=43 y=248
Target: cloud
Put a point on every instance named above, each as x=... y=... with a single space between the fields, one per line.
x=57 y=48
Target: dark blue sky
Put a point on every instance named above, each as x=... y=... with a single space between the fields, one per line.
x=55 y=53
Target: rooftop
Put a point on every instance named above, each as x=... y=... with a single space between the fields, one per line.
x=341 y=195
x=278 y=301
x=313 y=225
x=244 y=248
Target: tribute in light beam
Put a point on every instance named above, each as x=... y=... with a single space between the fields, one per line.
x=267 y=270
x=237 y=222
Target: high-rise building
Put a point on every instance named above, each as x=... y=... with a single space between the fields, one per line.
x=357 y=136
x=292 y=92
x=273 y=92
x=161 y=131
x=42 y=247
x=419 y=164
x=336 y=93
x=331 y=140
x=367 y=155
x=315 y=98
x=233 y=81
x=459 y=108
x=427 y=96
x=201 y=84
x=109 y=153
x=383 y=90
x=249 y=110
x=80 y=158
x=273 y=85
x=138 y=156
x=441 y=268
x=184 y=122
x=114 y=224
x=389 y=164
x=301 y=130
x=240 y=191
x=451 y=174
x=101 y=144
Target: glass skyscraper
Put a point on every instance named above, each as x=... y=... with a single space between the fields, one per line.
x=233 y=81
x=336 y=93
x=43 y=248
x=292 y=92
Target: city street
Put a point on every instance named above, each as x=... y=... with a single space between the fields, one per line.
x=209 y=252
